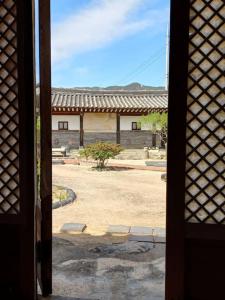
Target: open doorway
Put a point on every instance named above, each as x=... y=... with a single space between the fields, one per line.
x=109 y=223
x=195 y=207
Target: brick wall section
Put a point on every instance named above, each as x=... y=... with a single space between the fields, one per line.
x=70 y=139
x=92 y=137
x=128 y=139
x=135 y=139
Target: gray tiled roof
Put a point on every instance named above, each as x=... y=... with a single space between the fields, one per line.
x=89 y=100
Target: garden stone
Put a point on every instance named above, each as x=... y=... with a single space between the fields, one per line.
x=138 y=230
x=158 y=231
x=58 y=162
x=73 y=228
x=118 y=229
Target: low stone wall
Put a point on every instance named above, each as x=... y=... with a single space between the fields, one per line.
x=136 y=139
x=92 y=137
x=69 y=139
x=128 y=139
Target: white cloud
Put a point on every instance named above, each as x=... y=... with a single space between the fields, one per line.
x=98 y=25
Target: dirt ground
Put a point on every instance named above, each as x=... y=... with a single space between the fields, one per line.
x=122 y=197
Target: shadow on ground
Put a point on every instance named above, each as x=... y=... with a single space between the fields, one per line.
x=64 y=298
x=89 y=267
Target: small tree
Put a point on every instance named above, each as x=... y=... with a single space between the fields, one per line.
x=158 y=124
x=101 y=152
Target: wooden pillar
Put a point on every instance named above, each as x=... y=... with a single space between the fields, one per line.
x=118 y=128
x=153 y=140
x=44 y=269
x=81 y=129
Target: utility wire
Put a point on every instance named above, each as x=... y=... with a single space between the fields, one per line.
x=143 y=66
x=146 y=67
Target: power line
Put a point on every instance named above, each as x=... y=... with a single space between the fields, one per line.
x=144 y=65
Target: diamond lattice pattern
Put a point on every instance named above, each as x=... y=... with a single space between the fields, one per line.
x=9 y=131
x=205 y=166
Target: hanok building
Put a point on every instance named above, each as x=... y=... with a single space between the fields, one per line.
x=81 y=117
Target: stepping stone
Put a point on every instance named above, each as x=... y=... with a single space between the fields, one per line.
x=136 y=230
x=58 y=162
x=139 y=238
x=157 y=231
x=118 y=229
x=159 y=239
x=72 y=228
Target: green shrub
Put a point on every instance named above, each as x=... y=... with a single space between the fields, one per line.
x=101 y=152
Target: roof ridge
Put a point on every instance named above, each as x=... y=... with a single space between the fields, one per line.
x=109 y=92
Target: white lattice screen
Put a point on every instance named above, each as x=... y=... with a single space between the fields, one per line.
x=9 y=115
x=205 y=165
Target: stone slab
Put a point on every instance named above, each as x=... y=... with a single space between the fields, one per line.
x=159 y=239
x=139 y=230
x=58 y=162
x=118 y=229
x=73 y=228
x=141 y=238
x=151 y=163
x=160 y=232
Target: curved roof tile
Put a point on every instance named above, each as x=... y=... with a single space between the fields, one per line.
x=74 y=98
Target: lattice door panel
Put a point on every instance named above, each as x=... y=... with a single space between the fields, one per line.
x=205 y=152
x=9 y=106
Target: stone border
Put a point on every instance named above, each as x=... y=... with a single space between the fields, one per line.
x=58 y=161
x=70 y=199
x=156 y=234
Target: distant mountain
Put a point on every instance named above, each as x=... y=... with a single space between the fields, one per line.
x=134 y=86
x=130 y=87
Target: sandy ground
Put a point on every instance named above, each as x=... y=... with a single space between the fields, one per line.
x=124 y=197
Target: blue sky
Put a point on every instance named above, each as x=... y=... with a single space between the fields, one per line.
x=108 y=42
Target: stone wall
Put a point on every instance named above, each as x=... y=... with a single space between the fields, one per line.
x=69 y=139
x=128 y=139
x=136 y=139
x=92 y=137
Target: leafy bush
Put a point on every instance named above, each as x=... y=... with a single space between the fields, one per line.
x=157 y=123
x=101 y=152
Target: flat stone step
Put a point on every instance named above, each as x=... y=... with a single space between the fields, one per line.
x=118 y=229
x=58 y=162
x=156 y=163
x=141 y=238
x=71 y=228
x=159 y=239
x=160 y=232
x=139 y=230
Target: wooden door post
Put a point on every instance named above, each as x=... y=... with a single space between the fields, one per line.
x=81 y=129
x=118 y=128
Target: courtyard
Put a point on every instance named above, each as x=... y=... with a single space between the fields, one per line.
x=122 y=196
x=100 y=265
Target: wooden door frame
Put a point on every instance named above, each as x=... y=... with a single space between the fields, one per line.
x=190 y=245
x=46 y=146
x=178 y=68
x=18 y=230
x=176 y=146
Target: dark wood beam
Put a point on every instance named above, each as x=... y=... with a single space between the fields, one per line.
x=128 y=111
x=45 y=272
x=118 y=128
x=81 y=129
